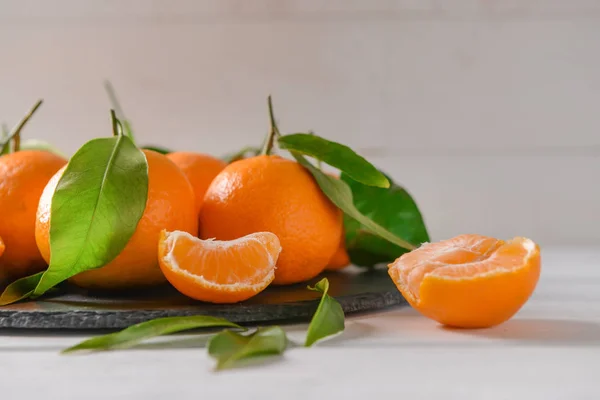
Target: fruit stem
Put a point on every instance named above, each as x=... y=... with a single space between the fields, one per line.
x=116 y=124
x=16 y=143
x=114 y=101
x=274 y=130
x=15 y=135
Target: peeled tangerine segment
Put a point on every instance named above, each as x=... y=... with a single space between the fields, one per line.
x=469 y=281
x=219 y=271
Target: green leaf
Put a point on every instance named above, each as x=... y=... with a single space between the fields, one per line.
x=230 y=347
x=96 y=207
x=128 y=130
x=4 y=140
x=337 y=155
x=20 y=289
x=329 y=317
x=340 y=194
x=392 y=208
x=249 y=150
x=34 y=144
x=158 y=149
x=135 y=334
x=5 y=147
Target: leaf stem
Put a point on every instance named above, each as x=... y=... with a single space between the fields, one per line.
x=273 y=133
x=15 y=135
x=117 y=128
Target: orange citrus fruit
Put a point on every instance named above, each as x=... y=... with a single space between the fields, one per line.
x=470 y=281
x=340 y=258
x=272 y=194
x=1 y=247
x=200 y=169
x=23 y=175
x=170 y=205
x=219 y=271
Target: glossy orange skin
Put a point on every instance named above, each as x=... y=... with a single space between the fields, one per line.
x=270 y=193
x=171 y=205
x=486 y=280
x=23 y=176
x=200 y=169
x=1 y=247
x=340 y=259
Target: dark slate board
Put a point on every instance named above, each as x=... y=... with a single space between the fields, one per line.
x=357 y=291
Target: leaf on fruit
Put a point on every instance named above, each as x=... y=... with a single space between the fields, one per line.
x=96 y=207
x=392 y=208
x=337 y=155
x=328 y=320
x=340 y=194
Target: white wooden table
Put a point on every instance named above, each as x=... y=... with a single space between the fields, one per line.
x=550 y=350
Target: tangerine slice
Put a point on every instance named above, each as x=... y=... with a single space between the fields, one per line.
x=219 y=271
x=469 y=281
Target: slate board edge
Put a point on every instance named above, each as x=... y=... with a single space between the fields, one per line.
x=251 y=314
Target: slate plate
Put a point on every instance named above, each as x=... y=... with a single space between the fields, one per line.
x=356 y=290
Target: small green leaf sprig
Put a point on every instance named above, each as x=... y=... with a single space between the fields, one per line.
x=229 y=347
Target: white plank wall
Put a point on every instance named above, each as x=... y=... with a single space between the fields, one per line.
x=487 y=110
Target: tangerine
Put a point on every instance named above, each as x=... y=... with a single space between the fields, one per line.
x=23 y=175
x=219 y=271
x=273 y=194
x=470 y=281
x=171 y=205
x=340 y=259
x=200 y=169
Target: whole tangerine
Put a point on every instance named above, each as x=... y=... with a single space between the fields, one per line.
x=171 y=205
x=200 y=169
x=340 y=258
x=23 y=175
x=273 y=194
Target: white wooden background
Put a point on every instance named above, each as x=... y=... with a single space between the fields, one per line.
x=486 y=110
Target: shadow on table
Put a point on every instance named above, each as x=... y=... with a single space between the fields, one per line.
x=540 y=331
